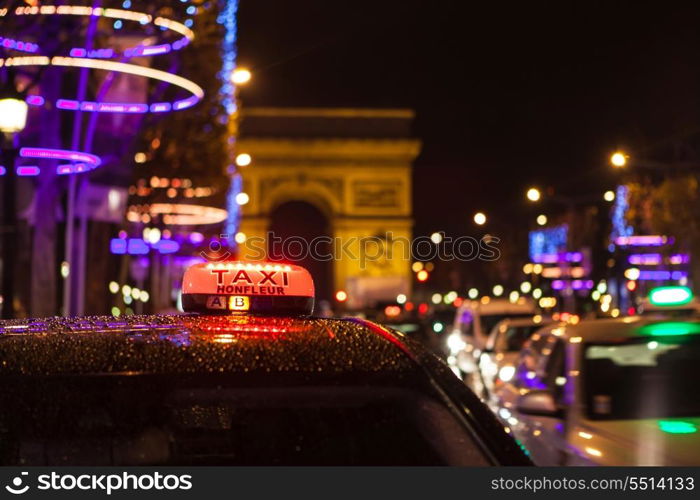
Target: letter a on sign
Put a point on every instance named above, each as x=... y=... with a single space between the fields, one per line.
x=216 y=302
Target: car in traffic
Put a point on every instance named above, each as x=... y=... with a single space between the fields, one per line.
x=500 y=355
x=608 y=392
x=473 y=320
x=247 y=377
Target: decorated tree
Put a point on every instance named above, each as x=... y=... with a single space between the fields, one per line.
x=670 y=207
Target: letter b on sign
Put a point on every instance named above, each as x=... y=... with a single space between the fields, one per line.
x=238 y=303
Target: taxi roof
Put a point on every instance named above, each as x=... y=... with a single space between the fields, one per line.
x=246 y=351
x=501 y=306
x=620 y=329
x=199 y=344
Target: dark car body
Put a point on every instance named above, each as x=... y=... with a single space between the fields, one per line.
x=238 y=390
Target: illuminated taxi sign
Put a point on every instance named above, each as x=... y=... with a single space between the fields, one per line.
x=239 y=303
x=670 y=296
x=248 y=287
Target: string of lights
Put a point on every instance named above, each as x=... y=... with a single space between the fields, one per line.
x=229 y=53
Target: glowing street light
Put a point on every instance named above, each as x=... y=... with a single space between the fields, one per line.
x=13 y=114
x=436 y=238
x=241 y=76
x=541 y=219
x=243 y=160
x=498 y=290
x=479 y=218
x=152 y=235
x=242 y=198
x=618 y=159
x=533 y=194
x=609 y=196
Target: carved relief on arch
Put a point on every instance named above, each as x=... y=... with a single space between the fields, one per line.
x=325 y=193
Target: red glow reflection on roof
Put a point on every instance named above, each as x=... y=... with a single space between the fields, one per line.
x=248 y=326
x=228 y=329
x=383 y=332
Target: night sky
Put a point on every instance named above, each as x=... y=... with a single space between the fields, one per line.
x=507 y=94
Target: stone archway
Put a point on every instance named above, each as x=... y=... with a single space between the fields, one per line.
x=307 y=231
x=362 y=185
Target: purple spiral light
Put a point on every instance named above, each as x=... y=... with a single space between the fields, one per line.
x=186 y=35
x=9 y=43
x=197 y=93
x=81 y=57
x=138 y=246
x=98 y=59
x=80 y=162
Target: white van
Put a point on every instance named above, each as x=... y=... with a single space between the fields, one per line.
x=473 y=322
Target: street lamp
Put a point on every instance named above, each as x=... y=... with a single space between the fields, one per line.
x=242 y=198
x=13 y=119
x=618 y=159
x=479 y=218
x=241 y=76
x=533 y=194
x=13 y=113
x=243 y=160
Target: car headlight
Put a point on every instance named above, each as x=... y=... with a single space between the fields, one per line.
x=506 y=373
x=455 y=342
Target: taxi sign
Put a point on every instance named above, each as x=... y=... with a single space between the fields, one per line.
x=670 y=296
x=248 y=287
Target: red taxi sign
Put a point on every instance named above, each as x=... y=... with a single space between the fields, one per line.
x=248 y=287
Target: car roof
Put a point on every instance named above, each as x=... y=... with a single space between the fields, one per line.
x=252 y=350
x=522 y=322
x=200 y=344
x=619 y=329
x=500 y=306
